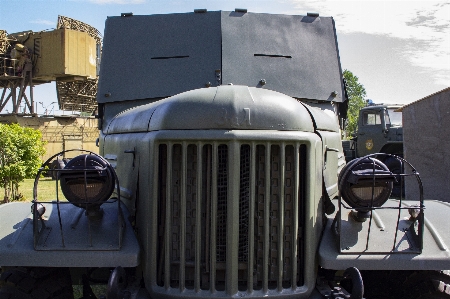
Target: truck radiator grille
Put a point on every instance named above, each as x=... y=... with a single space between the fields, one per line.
x=207 y=240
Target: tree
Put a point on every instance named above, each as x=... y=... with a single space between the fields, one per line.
x=356 y=93
x=20 y=152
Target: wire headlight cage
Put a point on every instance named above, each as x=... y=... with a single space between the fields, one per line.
x=89 y=219
x=372 y=203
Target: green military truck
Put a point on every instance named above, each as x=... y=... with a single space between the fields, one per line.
x=379 y=131
x=221 y=174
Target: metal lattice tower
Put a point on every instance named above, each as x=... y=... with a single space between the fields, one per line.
x=15 y=78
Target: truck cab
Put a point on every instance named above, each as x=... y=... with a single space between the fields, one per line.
x=379 y=131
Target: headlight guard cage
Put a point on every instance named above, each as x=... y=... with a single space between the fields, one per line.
x=355 y=233
x=65 y=220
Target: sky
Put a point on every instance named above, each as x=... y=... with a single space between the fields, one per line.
x=399 y=50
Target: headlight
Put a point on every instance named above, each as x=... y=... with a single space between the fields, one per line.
x=87 y=181
x=365 y=183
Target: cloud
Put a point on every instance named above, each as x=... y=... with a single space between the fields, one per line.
x=402 y=19
x=43 y=22
x=117 y=1
x=424 y=26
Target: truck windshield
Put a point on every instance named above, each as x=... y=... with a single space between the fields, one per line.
x=395 y=117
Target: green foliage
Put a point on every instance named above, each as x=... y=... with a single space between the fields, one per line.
x=20 y=152
x=356 y=94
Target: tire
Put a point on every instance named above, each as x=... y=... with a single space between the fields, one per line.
x=406 y=284
x=36 y=283
x=429 y=284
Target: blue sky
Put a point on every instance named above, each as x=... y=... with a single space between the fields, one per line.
x=400 y=50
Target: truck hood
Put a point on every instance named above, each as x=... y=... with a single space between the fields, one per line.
x=223 y=107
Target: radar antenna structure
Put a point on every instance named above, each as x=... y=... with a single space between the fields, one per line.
x=69 y=55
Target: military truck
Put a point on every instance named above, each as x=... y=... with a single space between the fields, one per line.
x=221 y=174
x=379 y=131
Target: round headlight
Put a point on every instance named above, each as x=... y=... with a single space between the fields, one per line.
x=365 y=183
x=87 y=181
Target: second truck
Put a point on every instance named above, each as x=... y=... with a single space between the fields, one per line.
x=379 y=130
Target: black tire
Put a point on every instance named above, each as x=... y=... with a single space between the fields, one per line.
x=36 y=283
x=429 y=284
x=406 y=284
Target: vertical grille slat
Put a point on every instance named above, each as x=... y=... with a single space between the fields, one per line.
x=281 y=199
x=266 y=229
x=235 y=217
x=222 y=203
x=207 y=210
x=291 y=213
x=295 y=217
x=301 y=214
x=211 y=232
x=213 y=218
x=274 y=223
x=168 y=217
x=251 y=224
x=198 y=219
x=177 y=224
x=183 y=223
x=244 y=203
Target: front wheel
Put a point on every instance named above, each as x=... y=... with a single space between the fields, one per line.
x=406 y=284
x=429 y=284
x=36 y=283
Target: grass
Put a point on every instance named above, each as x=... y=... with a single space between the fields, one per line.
x=46 y=190
x=99 y=291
